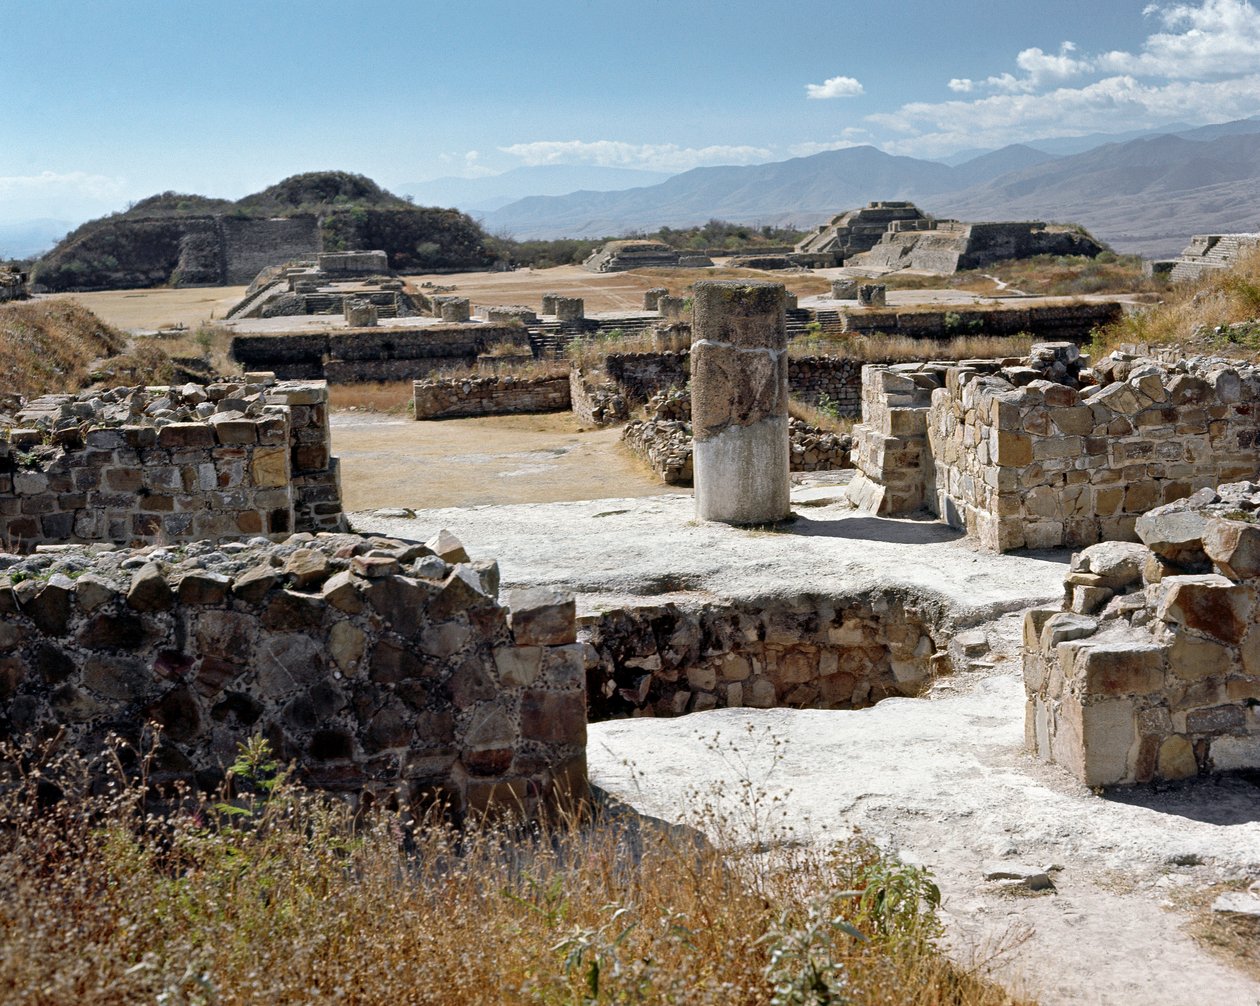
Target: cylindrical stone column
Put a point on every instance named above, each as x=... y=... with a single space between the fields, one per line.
x=739 y=402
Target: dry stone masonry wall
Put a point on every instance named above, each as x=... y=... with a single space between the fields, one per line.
x=1151 y=669
x=670 y=659
x=490 y=396
x=379 y=667
x=1022 y=461
x=164 y=465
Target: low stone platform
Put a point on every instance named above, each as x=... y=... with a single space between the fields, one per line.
x=611 y=551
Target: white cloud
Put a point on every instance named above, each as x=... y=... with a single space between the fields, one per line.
x=835 y=87
x=49 y=183
x=1201 y=64
x=851 y=136
x=615 y=153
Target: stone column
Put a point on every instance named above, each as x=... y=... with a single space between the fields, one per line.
x=569 y=309
x=844 y=289
x=652 y=297
x=549 y=303
x=872 y=295
x=671 y=308
x=739 y=402
x=456 y=309
x=359 y=313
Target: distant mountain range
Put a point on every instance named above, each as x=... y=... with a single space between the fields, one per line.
x=1145 y=195
x=30 y=238
x=480 y=195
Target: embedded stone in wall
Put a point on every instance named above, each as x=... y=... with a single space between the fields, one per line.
x=739 y=391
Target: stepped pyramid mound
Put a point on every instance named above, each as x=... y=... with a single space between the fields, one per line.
x=618 y=256
x=1207 y=253
x=856 y=231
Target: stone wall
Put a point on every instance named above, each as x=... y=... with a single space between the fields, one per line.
x=390 y=353
x=595 y=400
x=1024 y=462
x=667 y=659
x=249 y=246
x=663 y=440
x=147 y=465
x=1048 y=465
x=1151 y=669
x=643 y=375
x=490 y=396
x=377 y=667
x=1073 y=322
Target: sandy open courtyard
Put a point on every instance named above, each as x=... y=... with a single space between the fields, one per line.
x=397 y=462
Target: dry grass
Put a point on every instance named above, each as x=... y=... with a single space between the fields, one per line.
x=289 y=899
x=592 y=353
x=820 y=417
x=46 y=346
x=1192 y=310
x=392 y=397
x=207 y=341
x=1040 y=276
x=903 y=349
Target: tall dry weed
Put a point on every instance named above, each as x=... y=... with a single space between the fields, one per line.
x=272 y=894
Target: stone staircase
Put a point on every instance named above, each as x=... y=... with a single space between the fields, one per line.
x=1209 y=252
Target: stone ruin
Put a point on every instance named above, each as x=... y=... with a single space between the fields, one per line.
x=1048 y=452
x=346 y=283
x=1204 y=255
x=130 y=466
x=12 y=284
x=619 y=256
x=856 y=231
x=1150 y=670
x=384 y=670
x=898 y=235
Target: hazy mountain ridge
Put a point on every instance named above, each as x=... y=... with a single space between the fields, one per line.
x=1146 y=195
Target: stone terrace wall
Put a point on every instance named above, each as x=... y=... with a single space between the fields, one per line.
x=1046 y=465
x=1152 y=669
x=375 y=665
x=643 y=375
x=386 y=353
x=249 y=246
x=247 y=460
x=666 y=659
x=1051 y=323
x=490 y=396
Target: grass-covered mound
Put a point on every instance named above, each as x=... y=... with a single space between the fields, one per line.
x=46 y=346
x=178 y=238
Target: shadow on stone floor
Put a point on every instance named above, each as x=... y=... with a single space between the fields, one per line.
x=900 y=532
x=1231 y=798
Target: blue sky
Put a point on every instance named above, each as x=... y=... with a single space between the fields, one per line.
x=105 y=102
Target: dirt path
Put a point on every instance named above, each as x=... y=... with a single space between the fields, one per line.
x=388 y=462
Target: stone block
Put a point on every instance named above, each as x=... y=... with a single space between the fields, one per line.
x=186 y=435
x=1211 y=604
x=1191 y=658
x=542 y=617
x=1011 y=449
x=1234 y=546
x=554 y=717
